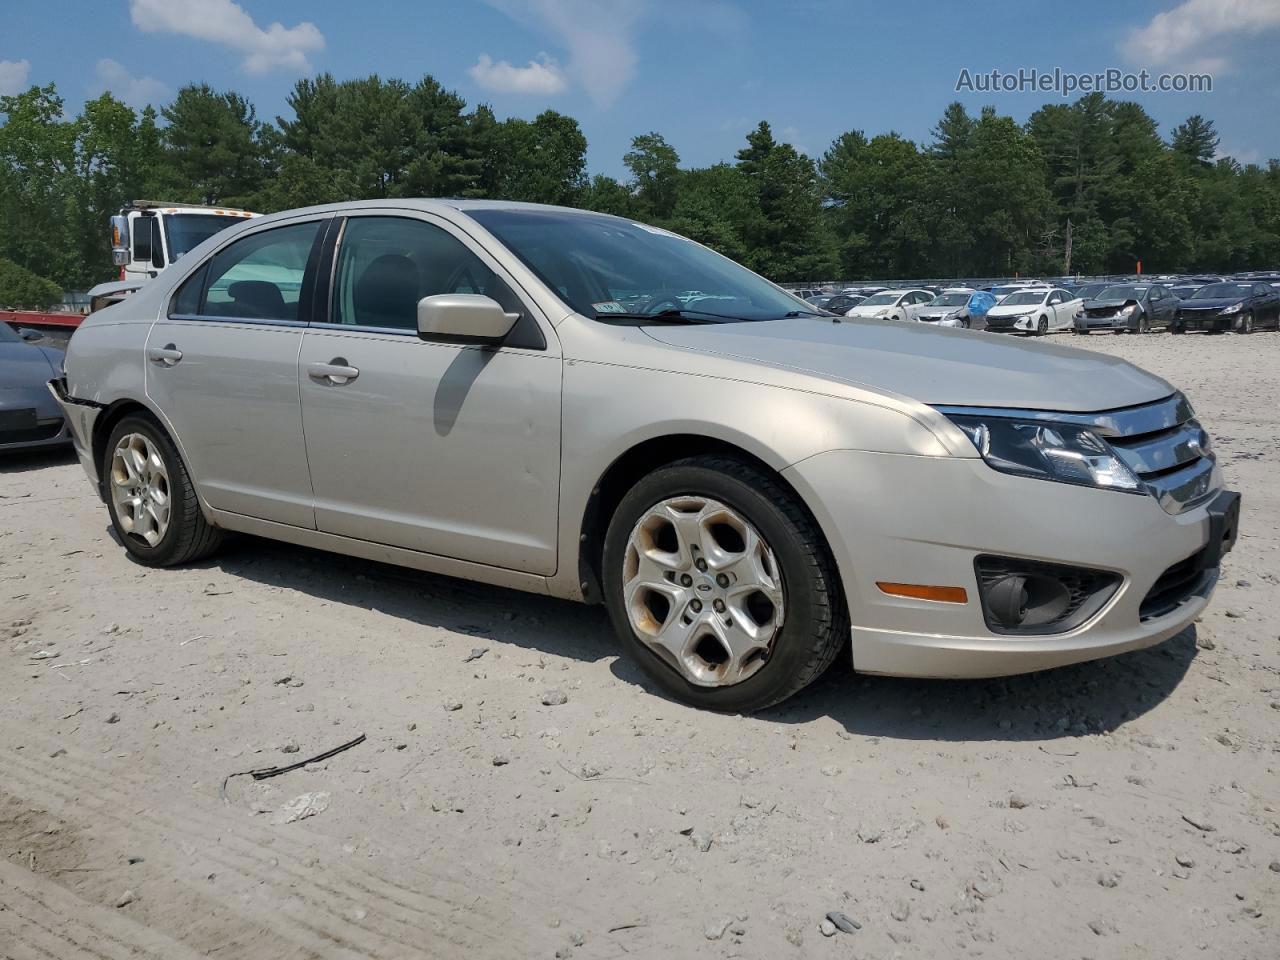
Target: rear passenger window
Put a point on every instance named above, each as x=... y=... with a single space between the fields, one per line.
x=259 y=277
x=186 y=302
x=387 y=264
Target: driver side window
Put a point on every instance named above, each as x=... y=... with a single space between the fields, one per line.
x=385 y=265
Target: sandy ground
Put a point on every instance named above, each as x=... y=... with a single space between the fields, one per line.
x=1126 y=808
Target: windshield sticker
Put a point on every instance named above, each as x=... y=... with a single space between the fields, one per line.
x=609 y=306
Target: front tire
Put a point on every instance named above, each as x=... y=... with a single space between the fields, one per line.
x=151 y=498
x=1042 y=326
x=721 y=586
x=1246 y=324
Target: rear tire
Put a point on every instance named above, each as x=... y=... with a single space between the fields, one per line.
x=1177 y=328
x=185 y=535
x=814 y=625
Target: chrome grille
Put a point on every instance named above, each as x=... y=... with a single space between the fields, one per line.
x=1167 y=448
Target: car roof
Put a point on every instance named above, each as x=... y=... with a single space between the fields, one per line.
x=441 y=206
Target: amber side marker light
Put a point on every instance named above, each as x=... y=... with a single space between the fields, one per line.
x=921 y=591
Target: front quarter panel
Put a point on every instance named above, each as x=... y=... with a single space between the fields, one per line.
x=612 y=407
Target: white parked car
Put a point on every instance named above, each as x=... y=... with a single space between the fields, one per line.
x=893 y=304
x=1036 y=311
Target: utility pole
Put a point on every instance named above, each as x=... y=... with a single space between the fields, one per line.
x=1066 y=259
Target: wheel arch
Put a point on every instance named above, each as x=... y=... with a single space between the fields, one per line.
x=106 y=422
x=638 y=461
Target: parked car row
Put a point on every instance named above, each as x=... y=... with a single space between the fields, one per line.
x=1036 y=307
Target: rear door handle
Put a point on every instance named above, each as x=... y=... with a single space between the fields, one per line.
x=336 y=371
x=166 y=356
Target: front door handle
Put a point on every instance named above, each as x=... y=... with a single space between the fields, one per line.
x=336 y=371
x=166 y=356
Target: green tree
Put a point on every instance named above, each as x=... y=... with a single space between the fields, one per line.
x=784 y=233
x=543 y=161
x=1196 y=141
x=21 y=288
x=655 y=174
x=606 y=195
x=215 y=148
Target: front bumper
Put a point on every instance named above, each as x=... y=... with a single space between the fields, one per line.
x=1023 y=324
x=924 y=520
x=29 y=420
x=1216 y=322
x=81 y=415
x=1089 y=324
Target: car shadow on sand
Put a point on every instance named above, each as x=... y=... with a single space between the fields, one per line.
x=22 y=461
x=1091 y=697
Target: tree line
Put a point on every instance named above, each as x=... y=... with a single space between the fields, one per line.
x=1088 y=187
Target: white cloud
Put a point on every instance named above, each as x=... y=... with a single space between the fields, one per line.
x=1182 y=34
x=226 y=22
x=542 y=76
x=598 y=35
x=13 y=76
x=135 y=91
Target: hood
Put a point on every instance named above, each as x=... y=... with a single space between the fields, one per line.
x=1107 y=304
x=1013 y=311
x=1217 y=303
x=930 y=364
x=23 y=365
x=937 y=313
x=861 y=311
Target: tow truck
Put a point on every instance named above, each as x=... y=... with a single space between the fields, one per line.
x=146 y=237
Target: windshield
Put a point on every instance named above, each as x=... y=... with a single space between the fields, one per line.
x=603 y=265
x=880 y=300
x=7 y=334
x=1122 y=293
x=186 y=231
x=1024 y=299
x=950 y=300
x=1091 y=291
x=1221 y=291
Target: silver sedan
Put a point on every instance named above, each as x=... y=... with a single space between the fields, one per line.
x=601 y=410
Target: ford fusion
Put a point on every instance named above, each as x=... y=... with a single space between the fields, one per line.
x=582 y=406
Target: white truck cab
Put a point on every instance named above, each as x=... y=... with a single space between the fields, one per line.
x=148 y=235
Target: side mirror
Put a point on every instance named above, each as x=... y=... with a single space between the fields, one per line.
x=29 y=335
x=120 y=240
x=463 y=318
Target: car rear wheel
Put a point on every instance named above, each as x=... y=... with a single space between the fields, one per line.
x=1177 y=328
x=150 y=496
x=721 y=586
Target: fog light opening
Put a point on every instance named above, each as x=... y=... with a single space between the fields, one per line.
x=1027 y=601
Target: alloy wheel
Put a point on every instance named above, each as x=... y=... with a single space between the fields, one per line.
x=140 y=489
x=703 y=590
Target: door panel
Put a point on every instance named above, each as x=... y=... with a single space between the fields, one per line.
x=232 y=401
x=444 y=448
x=225 y=376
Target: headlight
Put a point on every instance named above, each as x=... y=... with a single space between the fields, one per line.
x=1128 y=311
x=881 y=313
x=1047 y=451
x=1234 y=308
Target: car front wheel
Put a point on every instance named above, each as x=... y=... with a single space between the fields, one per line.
x=150 y=496
x=720 y=584
x=1246 y=324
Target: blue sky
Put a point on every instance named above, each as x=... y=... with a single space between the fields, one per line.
x=701 y=72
